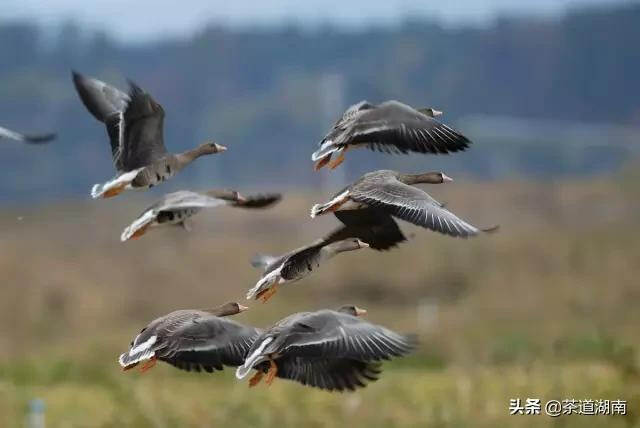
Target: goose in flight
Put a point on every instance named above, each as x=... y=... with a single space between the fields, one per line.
x=192 y=339
x=326 y=349
x=297 y=264
x=393 y=193
x=26 y=138
x=134 y=124
x=391 y=127
x=176 y=208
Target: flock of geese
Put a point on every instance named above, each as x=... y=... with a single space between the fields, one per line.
x=335 y=350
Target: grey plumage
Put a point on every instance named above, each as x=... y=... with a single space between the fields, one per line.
x=297 y=264
x=175 y=208
x=391 y=127
x=134 y=123
x=192 y=339
x=393 y=194
x=327 y=349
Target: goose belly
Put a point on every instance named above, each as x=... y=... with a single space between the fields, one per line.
x=152 y=176
x=175 y=216
x=303 y=268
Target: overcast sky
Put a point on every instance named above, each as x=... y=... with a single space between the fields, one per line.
x=149 y=19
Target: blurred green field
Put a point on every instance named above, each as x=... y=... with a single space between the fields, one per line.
x=546 y=308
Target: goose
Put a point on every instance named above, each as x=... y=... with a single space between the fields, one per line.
x=177 y=207
x=391 y=127
x=134 y=123
x=192 y=339
x=296 y=264
x=26 y=138
x=393 y=193
x=334 y=350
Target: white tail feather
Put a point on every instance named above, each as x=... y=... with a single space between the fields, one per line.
x=264 y=283
x=253 y=359
x=138 y=224
x=96 y=191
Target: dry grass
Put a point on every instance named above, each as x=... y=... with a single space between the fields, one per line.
x=545 y=307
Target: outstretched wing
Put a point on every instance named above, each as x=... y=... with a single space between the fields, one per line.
x=413 y=205
x=107 y=104
x=331 y=334
x=208 y=343
x=338 y=374
x=141 y=139
x=396 y=127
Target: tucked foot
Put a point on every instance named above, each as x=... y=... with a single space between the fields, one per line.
x=148 y=365
x=114 y=191
x=337 y=162
x=255 y=379
x=271 y=374
x=267 y=294
x=322 y=162
x=138 y=233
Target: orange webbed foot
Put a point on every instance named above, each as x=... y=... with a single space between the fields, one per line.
x=267 y=294
x=271 y=374
x=322 y=162
x=113 y=192
x=138 y=233
x=148 y=365
x=337 y=162
x=255 y=379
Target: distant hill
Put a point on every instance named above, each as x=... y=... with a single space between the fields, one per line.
x=270 y=95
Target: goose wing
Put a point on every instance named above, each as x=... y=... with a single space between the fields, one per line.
x=332 y=334
x=207 y=342
x=396 y=127
x=411 y=204
x=107 y=104
x=140 y=129
x=336 y=374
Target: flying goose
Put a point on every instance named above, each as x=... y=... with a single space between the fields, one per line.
x=326 y=349
x=391 y=127
x=296 y=264
x=393 y=193
x=176 y=208
x=192 y=339
x=134 y=123
x=26 y=138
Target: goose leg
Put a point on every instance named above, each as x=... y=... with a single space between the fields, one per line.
x=148 y=365
x=322 y=162
x=271 y=374
x=255 y=379
x=138 y=233
x=268 y=293
x=337 y=162
x=115 y=191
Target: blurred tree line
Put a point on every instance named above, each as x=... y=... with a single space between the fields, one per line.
x=260 y=91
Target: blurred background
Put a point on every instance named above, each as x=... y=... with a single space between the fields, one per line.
x=548 y=93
